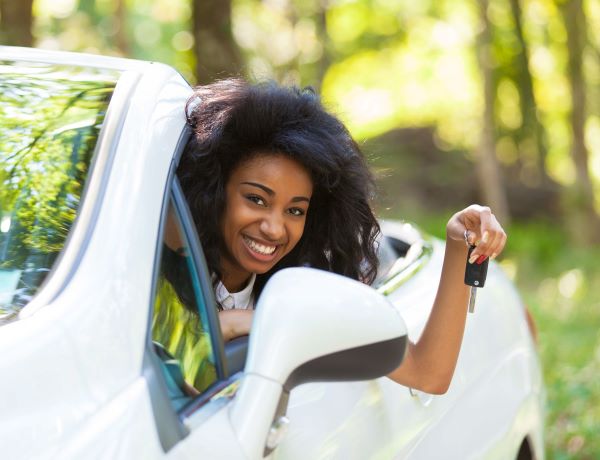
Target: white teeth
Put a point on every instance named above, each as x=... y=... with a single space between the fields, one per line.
x=260 y=248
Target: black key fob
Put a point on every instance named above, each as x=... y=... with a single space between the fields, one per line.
x=475 y=273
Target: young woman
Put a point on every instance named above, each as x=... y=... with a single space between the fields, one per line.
x=274 y=181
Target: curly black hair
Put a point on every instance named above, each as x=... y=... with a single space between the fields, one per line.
x=233 y=120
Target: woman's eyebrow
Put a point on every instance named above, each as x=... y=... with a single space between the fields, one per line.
x=270 y=192
x=296 y=199
x=261 y=186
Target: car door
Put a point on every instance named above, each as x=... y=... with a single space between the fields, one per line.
x=377 y=419
x=349 y=420
x=189 y=382
x=329 y=420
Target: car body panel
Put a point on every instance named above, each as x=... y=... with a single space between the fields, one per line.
x=126 y=420
x=493 y=376
x=66 y=387
x=216 y=430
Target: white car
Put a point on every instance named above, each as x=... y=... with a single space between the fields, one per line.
x=98 y=353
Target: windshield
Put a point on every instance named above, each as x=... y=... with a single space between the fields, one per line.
x=50 y=120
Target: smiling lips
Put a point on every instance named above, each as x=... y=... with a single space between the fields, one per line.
x=259 y=250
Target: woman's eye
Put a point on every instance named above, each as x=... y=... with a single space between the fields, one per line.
x=256 y=199
x=297 y=212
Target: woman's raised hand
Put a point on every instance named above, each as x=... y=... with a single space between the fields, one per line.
x=430 y=362
x=481 y=228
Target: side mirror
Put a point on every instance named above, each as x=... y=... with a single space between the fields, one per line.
x=311 y=325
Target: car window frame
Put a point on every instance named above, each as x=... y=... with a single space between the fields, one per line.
x=92 y=196
x=405 y=267
x=171 y=426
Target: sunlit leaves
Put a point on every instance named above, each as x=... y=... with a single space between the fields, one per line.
x=56 y=8
x=181 y=333
x=348 y=21
x=297 y=42
x=285 y=40
x=50 y=118
x=402 y=89
x=159 y=30
x=508 y=109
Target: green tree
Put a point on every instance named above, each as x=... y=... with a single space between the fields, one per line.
x=217 y=54
x=16 y=18
x=531 y=127
x=49 y=125
x=588 y=226
x=489 y=174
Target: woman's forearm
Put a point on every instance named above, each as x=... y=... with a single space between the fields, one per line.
x=235 y=323
x=430 y=362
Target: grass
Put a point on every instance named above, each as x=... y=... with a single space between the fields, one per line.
x=559 y=283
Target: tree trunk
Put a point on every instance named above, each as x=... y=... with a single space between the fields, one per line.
x=488 y=172
x=217 y=54
x=575 y=25
x=325 y=60
x=121 y=39
x=524 y=82
x=16 y=19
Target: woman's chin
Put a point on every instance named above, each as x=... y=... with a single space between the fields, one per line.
x=260 y=263
x=260 y=267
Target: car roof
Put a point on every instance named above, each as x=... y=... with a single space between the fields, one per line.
x=69 y=58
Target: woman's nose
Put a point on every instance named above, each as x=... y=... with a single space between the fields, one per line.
x=272 y=226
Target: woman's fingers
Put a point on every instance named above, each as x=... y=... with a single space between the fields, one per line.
x=484 y=231
x=478 y=225
x=500 y=246
x=493 y=237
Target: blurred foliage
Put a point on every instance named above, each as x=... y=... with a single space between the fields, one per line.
x=558 y=285
x=179 y=322
x=50 y=118
x=157 y=30
x=180 y=332
x=384 y=65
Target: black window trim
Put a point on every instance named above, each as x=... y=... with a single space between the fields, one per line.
x=204 y=277
x=168 y=426
x=169 y=423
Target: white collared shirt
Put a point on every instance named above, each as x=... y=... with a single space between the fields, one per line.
x=242 y=300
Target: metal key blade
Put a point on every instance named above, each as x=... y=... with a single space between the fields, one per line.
x=472 y=298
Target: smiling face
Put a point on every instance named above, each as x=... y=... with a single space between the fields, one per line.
x=267 y=198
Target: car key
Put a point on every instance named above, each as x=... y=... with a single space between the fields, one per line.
x=475 y=275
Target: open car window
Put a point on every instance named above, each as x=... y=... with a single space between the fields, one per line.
x=181 y=332
x=188 y=366
x=402 y=251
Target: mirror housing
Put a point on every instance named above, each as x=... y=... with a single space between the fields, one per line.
x=311 y=325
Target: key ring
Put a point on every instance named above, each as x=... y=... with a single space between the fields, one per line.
x=466 y=236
